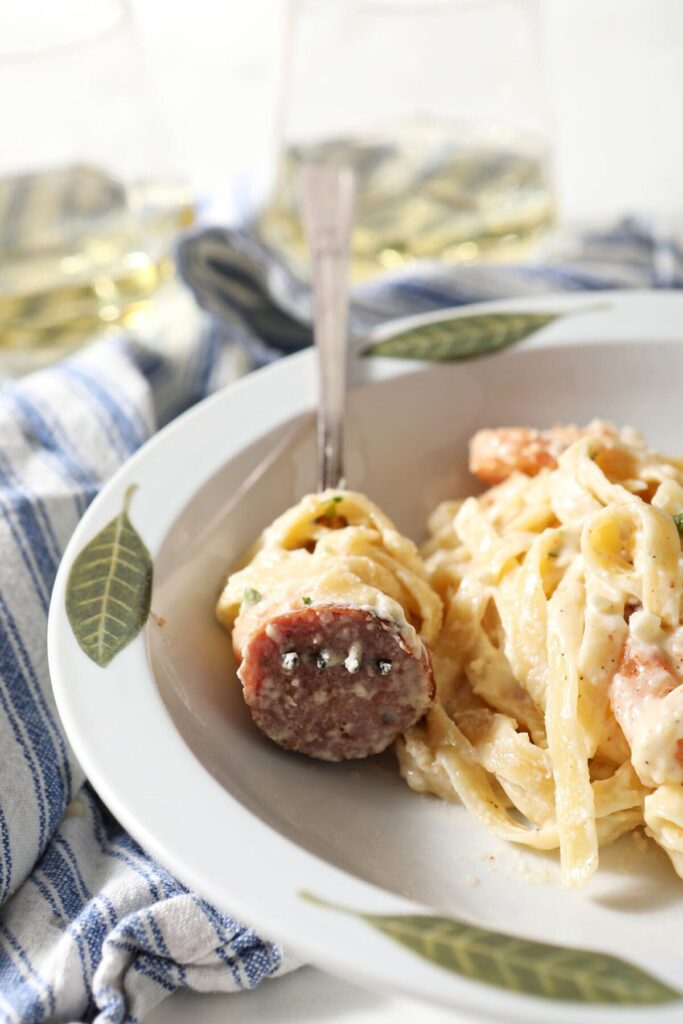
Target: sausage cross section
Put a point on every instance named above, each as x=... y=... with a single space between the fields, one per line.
x=334 y=683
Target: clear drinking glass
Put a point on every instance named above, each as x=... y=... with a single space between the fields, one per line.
x=88 y=202
x=440 y=107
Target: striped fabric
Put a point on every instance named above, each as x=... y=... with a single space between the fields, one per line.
x=90 y=927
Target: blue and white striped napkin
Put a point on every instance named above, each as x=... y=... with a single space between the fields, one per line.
x=91 y=929
x=257 y=301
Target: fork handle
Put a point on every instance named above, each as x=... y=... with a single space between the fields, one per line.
x=327 y=200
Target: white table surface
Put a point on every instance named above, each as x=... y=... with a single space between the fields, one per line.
x=307 y=996
x=616 y=80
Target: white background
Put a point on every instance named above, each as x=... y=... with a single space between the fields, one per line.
x=615 y=71
x=616 y=84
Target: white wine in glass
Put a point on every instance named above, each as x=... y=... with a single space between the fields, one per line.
x=79 y=251
x=425 y=190
x=89 y=201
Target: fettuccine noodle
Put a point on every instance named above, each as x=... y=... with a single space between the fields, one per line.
x=559 y=714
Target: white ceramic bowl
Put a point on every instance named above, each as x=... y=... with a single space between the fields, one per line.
x=166 y=740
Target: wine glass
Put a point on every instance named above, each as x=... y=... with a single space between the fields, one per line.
x=440 y=108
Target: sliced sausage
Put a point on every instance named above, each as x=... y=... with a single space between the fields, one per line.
x=333 y=682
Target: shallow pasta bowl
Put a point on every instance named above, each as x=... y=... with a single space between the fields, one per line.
x=343 y=863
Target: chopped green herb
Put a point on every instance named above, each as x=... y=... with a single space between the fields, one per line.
x=330 y=518
x=329 y=510
x=250 y=596
x=678 y=520
x=553 y=554
x=307 y=600
x=593 y=454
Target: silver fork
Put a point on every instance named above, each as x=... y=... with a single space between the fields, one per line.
x=327 y=195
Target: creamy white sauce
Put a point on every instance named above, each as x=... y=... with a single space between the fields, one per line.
x=353 y=661
x=646 y=627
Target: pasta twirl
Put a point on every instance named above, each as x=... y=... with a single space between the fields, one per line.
x=331 y=621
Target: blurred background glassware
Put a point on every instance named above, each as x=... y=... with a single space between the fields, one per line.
x=440 y=107
x=89 y=207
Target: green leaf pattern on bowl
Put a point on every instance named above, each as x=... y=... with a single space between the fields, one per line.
x=463 y=337
x=109 y=589
x=517 y=964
